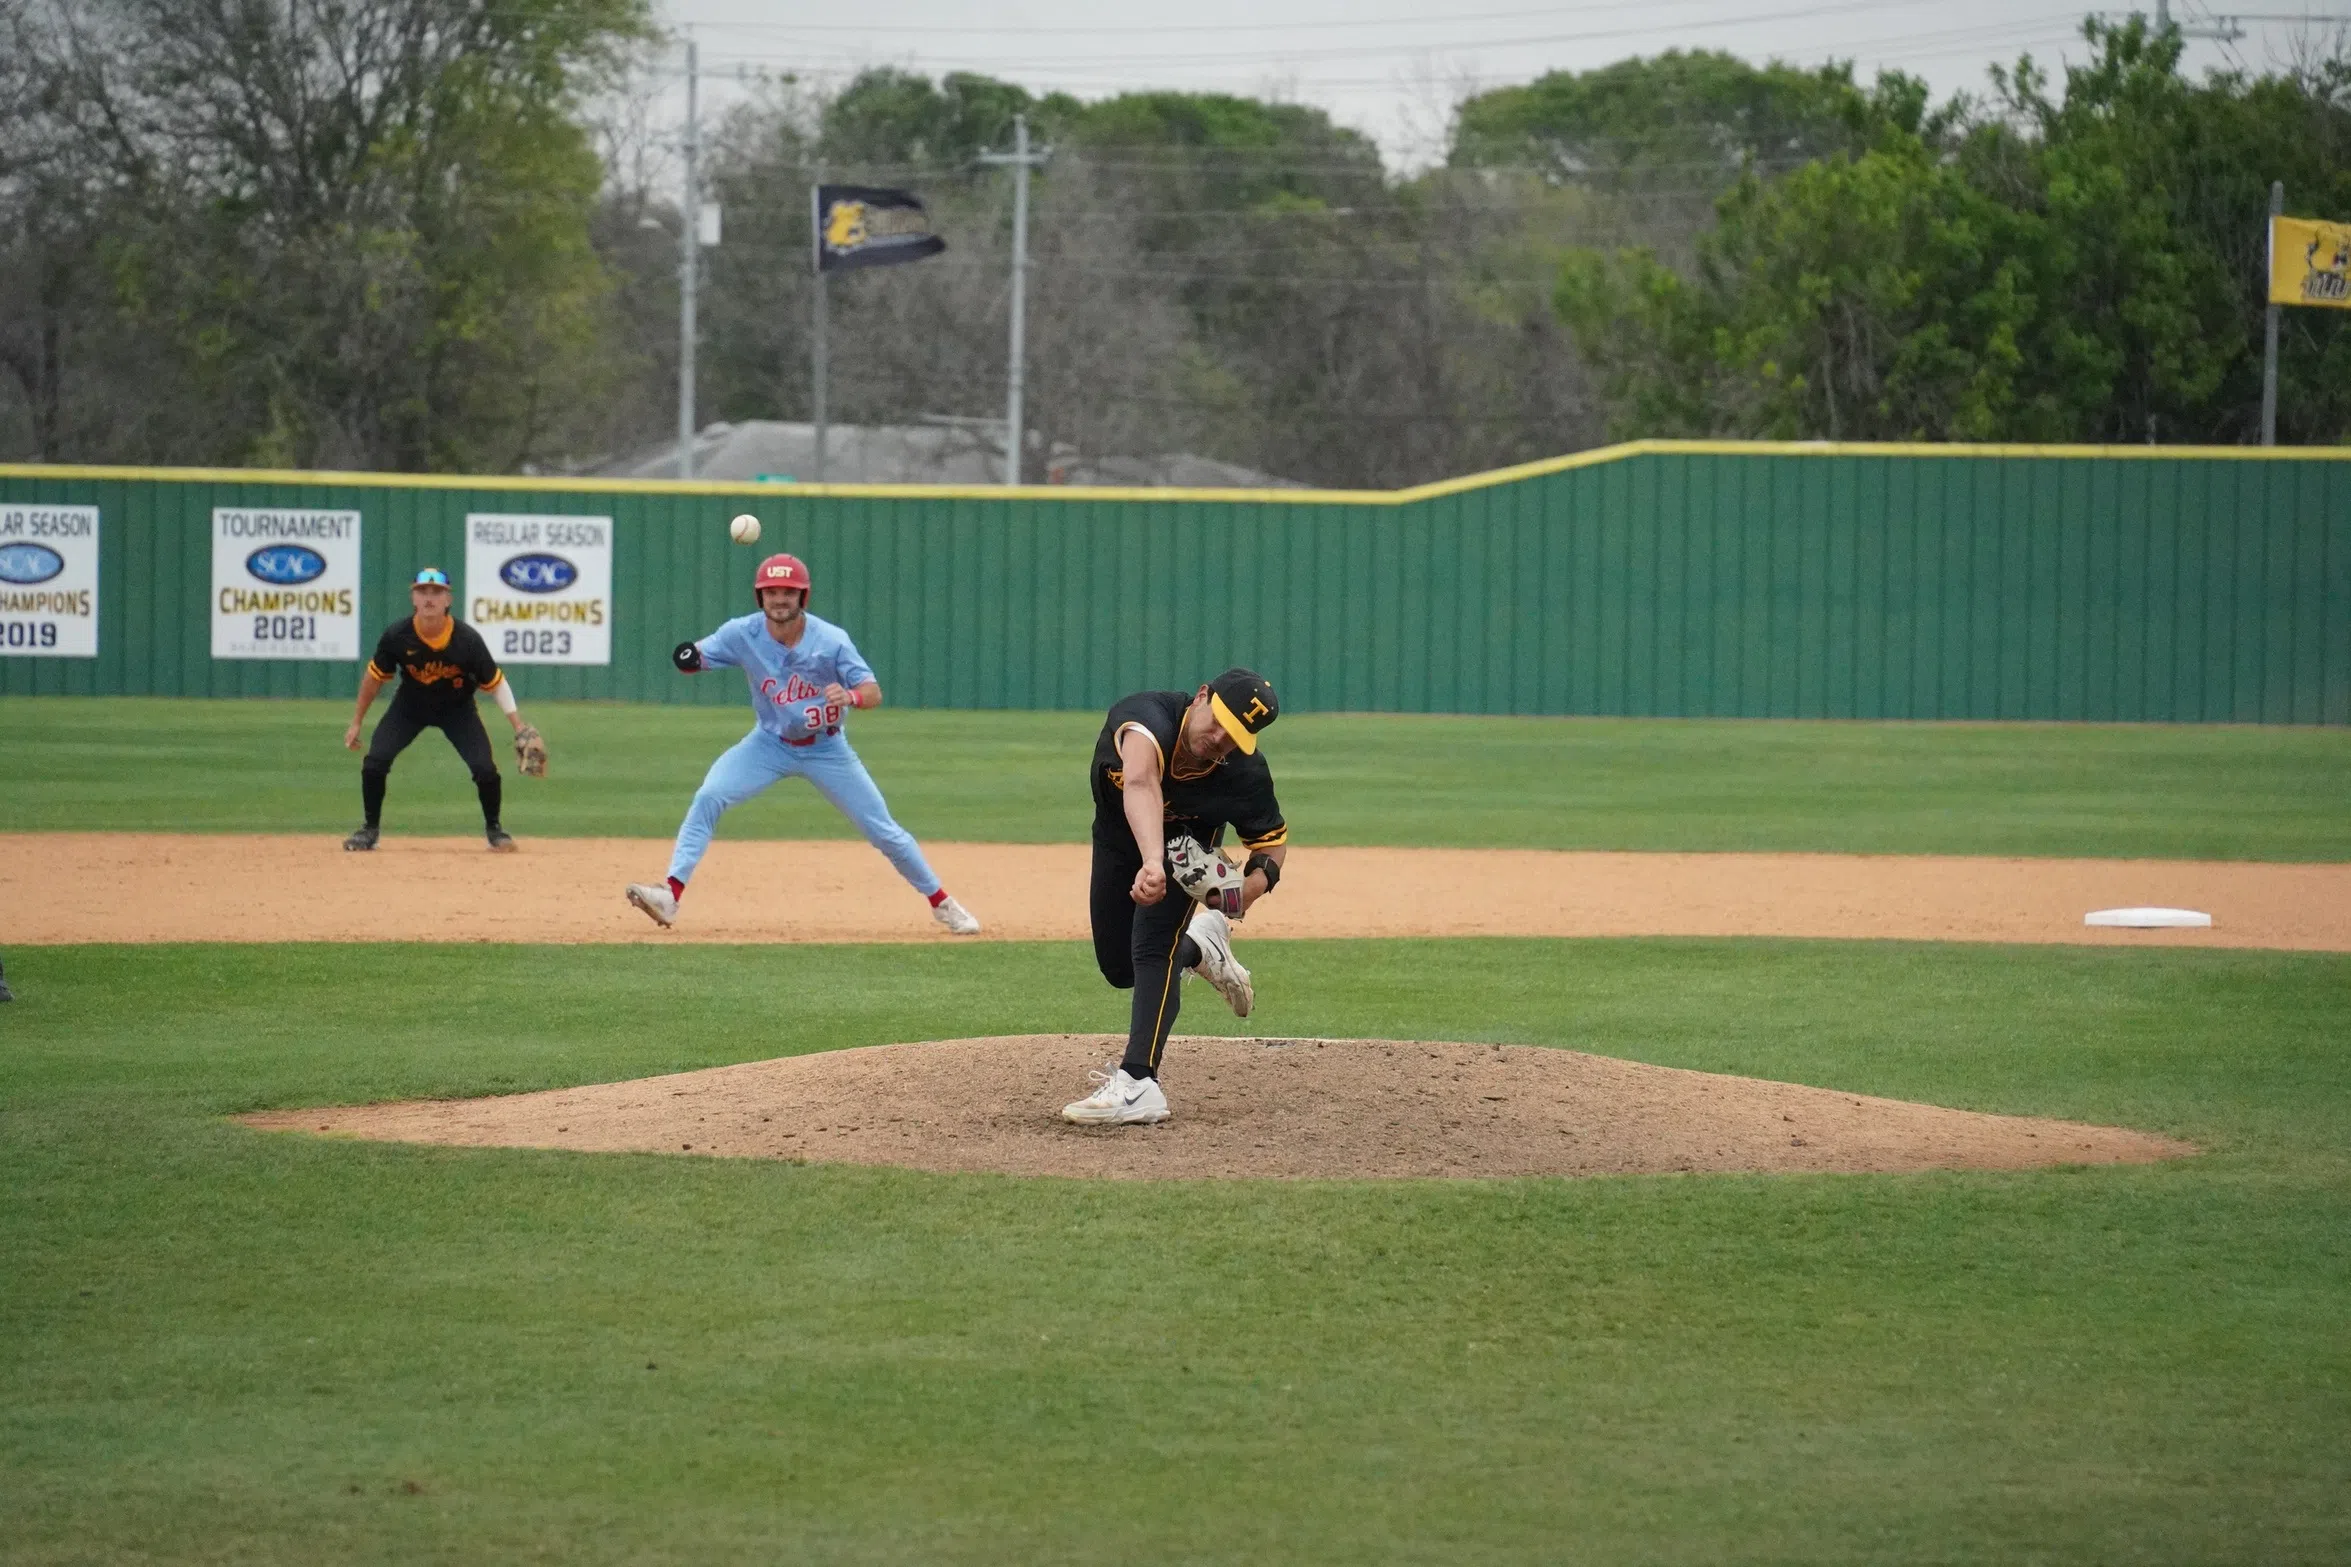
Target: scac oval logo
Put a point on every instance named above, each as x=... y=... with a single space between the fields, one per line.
x=286 y=563
x=539 y=573
x=29 y=563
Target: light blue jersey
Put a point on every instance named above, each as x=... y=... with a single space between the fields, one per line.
x=787 y=683
x=799 y=736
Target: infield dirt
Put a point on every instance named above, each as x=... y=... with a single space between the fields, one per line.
x=1284 y=1108
x=140 y=887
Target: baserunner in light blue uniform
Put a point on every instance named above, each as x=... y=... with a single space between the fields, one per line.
x=804 y=675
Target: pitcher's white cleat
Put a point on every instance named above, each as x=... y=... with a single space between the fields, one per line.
x=1120 y=1100
x=655 y=901
x=956 y=917
x=1213 y=934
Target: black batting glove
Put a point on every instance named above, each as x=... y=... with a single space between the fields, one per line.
x=688 y=657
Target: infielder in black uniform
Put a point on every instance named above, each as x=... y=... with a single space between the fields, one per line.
x=1170 y=772
x=441 y=662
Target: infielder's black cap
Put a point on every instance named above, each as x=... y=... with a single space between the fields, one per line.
x=1243 y=702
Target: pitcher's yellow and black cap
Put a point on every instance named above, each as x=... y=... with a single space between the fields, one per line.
x=1243 y=701
x=431 y=577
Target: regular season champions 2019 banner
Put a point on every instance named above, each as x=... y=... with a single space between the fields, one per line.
x=285 y=584
x=49 y=581
x=539 y=589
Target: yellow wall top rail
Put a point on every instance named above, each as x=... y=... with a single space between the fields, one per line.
x=1594 y=457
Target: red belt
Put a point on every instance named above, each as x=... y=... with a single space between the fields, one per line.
x=830 y=731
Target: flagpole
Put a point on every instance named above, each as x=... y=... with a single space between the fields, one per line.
x=1020 y=273
x=2269 y=330
x=817 y=356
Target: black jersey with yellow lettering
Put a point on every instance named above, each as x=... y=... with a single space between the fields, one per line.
x=1238 y=790
x=442 y=672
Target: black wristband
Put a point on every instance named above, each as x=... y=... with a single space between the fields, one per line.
x=1262 y=861
x=687 y=656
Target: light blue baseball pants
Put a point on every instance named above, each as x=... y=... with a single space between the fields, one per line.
x=759 y=761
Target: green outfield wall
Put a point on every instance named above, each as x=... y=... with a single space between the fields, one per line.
x=1657 y=578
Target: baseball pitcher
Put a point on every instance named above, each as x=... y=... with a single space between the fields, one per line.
x=1170 y=772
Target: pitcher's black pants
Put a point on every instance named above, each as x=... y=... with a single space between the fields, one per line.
x=403 y=722
x=1140 y=947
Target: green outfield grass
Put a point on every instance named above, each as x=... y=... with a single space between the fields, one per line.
x=2213 y=792
x=218 y=1345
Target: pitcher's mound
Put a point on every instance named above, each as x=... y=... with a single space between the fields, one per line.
x=1330 y=1108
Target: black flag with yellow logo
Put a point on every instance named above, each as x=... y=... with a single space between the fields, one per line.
x=859 y=226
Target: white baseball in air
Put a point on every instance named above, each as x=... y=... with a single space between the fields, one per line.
x=744 y=529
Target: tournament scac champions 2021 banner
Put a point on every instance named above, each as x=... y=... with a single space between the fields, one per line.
x=49 y=581
x=539 y=589
x=285 y=584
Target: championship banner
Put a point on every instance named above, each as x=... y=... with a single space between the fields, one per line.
x=2309 y=263
x=539 y=589
x=860 y=226
x=49 y=581
x=285 y=584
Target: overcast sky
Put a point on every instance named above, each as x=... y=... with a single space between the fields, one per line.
x=1394 y=68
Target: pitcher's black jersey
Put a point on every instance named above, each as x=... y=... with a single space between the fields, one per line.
x=1237 y=790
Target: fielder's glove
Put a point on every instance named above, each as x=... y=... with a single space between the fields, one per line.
x=1207 y=875
x=688 y=657
x=530 y=752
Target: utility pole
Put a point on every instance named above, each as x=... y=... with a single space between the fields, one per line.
x=2269 y=326
x=2225 y=29
x=1022 y=160
x=689 y=262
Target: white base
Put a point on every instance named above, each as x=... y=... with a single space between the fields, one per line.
x=2148 y=919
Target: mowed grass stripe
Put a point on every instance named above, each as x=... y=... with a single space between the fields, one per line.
x=221 y=1345
x=2199 y=792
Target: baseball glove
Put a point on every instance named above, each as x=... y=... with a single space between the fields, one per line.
x=530 y=752
x=1207 y=875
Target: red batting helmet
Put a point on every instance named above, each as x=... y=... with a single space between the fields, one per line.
x=781 y=571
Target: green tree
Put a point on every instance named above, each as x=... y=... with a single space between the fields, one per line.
x=359 y=226
x=2073 y=268
x=887 y=118
x=1877 y=298
x=2156 y=190
x=1698 y=117
x=1233 y=152
x=1207 y=273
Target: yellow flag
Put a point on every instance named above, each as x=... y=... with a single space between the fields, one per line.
x=2309 y=262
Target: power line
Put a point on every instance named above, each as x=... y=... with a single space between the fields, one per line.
x=1241 y=81
x=1030 y=65
x=2225 y=30
x=1255 y=408
x=1271 y=279
x=1330 y=25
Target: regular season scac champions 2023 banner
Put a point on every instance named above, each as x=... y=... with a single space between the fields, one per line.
x=49 y=581
x=539 y=589
x=285 y=584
